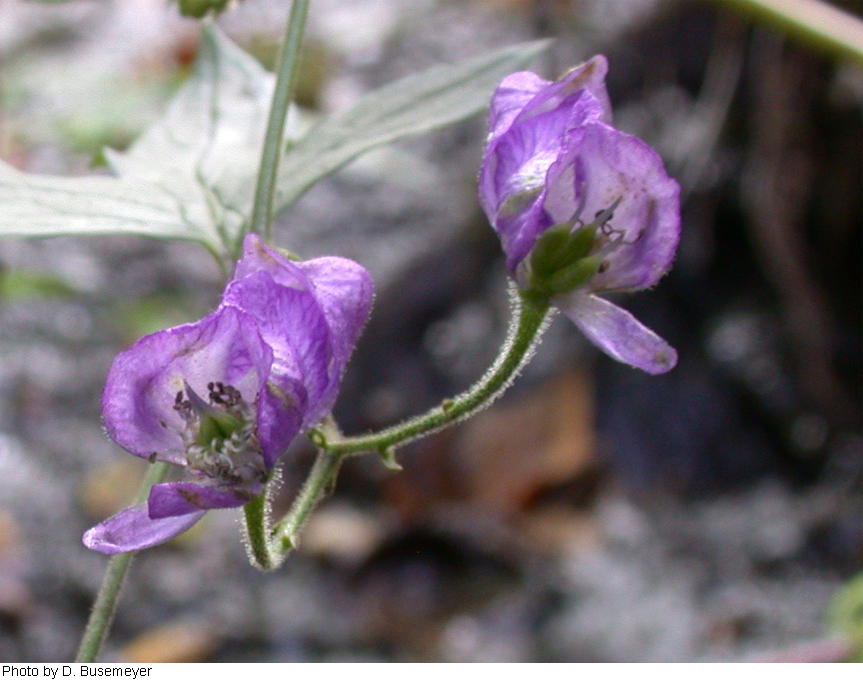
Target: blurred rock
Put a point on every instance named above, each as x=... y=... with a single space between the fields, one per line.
x=342 y=533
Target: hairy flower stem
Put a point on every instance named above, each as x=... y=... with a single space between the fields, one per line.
x=526 y=326
x=318 y=484
x=268 y=548
x=262 y=211
x=106 y=601
x=257 y=542
x=528 y=321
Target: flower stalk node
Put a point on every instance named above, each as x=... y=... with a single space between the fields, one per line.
x=388 y=456
x=318 y=438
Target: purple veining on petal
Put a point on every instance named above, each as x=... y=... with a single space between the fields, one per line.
x=520 y=179
x=616 y=165
x=344 y=293
x=142 y=384
x=553 y=158
x=224 y=397
x=292 y=324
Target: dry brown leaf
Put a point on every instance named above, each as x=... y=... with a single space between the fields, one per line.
x=512 y=450
x=176 y=642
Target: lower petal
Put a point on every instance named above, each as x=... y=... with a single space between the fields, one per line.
x=183 y=498
x=617 y=333
x=132 y=529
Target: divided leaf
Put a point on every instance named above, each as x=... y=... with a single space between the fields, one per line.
x=44 y=205
x=192 y=174
x=175 y=181
x=209 y=140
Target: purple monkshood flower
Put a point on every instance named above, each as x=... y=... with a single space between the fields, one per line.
x=223 y=397
x=580 y=207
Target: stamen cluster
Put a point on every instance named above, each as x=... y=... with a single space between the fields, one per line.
x=220 y=439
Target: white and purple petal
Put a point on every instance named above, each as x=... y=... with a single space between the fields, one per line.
x=258 y=257
x=522 y=94
x=314 y=323
x=553 y=158
x=144 y=380
x=617 y=333
x=522 y=181
x=132 y=529
x=270 y=357
x=343 y=290
x=647 y=219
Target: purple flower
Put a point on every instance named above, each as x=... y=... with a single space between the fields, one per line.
x=581 y=208
x=224 y=397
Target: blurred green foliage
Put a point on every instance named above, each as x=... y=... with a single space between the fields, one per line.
x=845 y=615
x=200 y=8
x=24 y=284
x=154 y=312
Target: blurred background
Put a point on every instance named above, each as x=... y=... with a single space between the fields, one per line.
x=594 y=513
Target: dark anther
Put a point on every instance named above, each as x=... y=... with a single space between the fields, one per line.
x=217 y=392
x=606 y=215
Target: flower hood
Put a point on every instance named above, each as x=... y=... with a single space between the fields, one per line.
x=581 y=208
x=223 y=397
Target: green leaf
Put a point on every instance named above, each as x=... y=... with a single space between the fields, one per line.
x=44 y=205
x=845 y=615
x=206 y=148
x=413 y=105
x=191 y=175
x=179 y=180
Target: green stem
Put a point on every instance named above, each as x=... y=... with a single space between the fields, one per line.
x=106 y=601
x=262 y=212
x=320 y=480
x=815 y=21
x=525 y=329
x=268 y=548
x=257 y=541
